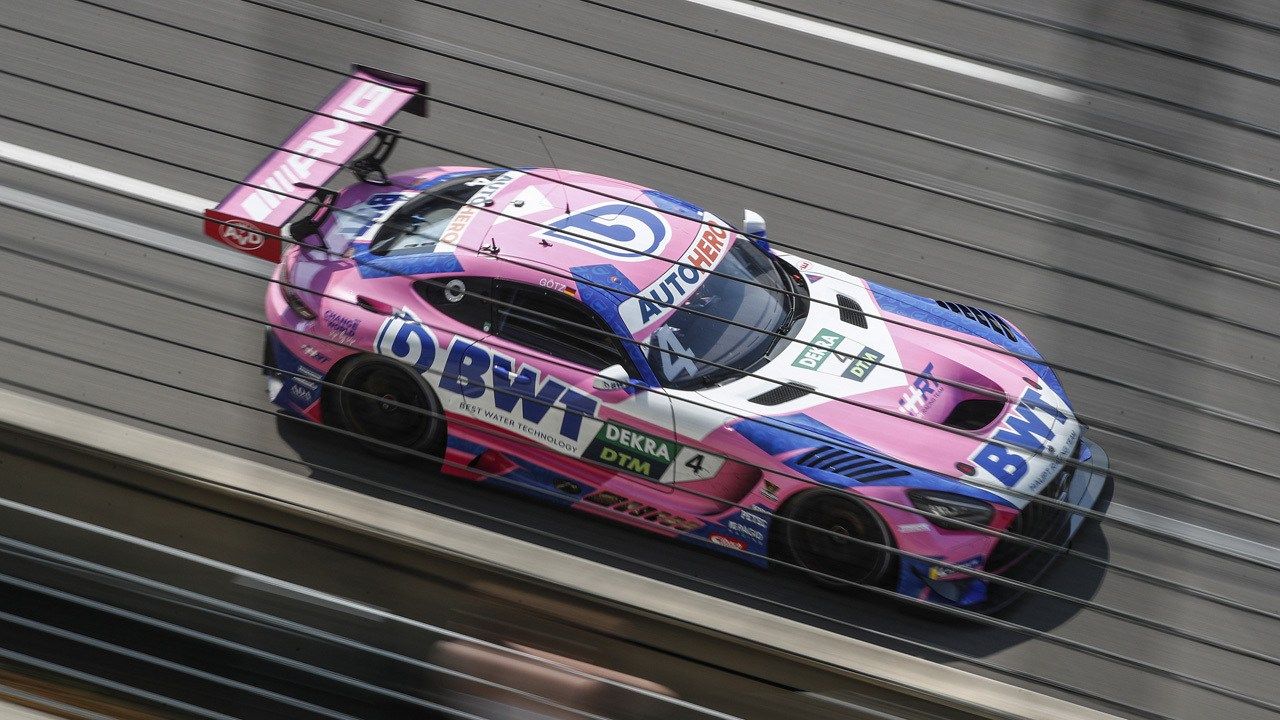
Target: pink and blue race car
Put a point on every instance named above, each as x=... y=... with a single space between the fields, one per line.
x=614 y=349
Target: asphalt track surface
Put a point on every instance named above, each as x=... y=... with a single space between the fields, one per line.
x=1079 y=230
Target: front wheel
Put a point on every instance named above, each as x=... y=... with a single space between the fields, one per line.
x=391 y=406
x=837 y=540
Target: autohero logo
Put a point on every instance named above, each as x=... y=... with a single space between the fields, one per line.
x=488 y=385
x=295 y=165
x=243 y=235
x=637 y=509
x=671 y=290
x=1028 y=425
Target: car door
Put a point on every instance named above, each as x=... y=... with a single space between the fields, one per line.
x=547 y=349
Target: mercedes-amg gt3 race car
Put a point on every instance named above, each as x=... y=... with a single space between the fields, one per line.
x=610 y=348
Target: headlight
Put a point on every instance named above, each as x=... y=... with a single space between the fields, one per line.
x=289 y=294
x=943 y=507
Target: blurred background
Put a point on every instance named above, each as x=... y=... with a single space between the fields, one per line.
x=1103 y=174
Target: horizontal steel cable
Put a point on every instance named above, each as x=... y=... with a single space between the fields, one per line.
x=221 y=608
x=1193 y=357
x=281 y=660
x=1013 y=161
x=583 y=546
x=1023 y=586
x=314 y=15
x=1097 y=86
x=1026 y=18
x=1219 y=14
x=176 y=667
x=1196 y=406
x=130 y=691
x=1023 y=114
x=1157 y=487
x=1160 y=488
x=1079 y=646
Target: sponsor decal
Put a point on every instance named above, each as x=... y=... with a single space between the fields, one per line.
x=341 y=328
x=242 y=235
x=812 y=356
x=921 y=394
x=746 y=531
x=314 y=354
x=914 y=527
x=726 y=541
x=622 y=504
x=616 y=230
x=1028 y=425
x=483 y=197
x=296 y=166
x=672 y=289
x=937 y=572
x=489 y=386
x=769 y=490
x=862 y=364
x=754 y=519
x=631 y=450
x=356 y=220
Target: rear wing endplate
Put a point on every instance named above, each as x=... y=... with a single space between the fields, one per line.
x=252 y=217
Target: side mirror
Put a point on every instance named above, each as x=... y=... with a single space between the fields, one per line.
x=614 y=377
x=753 y=226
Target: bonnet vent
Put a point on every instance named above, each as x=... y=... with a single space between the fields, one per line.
x=782 y=394
x=853 y=465
x=851 y=311
x=984 y=317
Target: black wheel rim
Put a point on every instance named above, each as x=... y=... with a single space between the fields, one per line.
x=391 y=408
x=825 y=541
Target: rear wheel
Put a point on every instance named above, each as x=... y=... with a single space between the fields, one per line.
x=391 y=406
x=820 y=532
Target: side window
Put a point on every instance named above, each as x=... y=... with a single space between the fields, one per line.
x=554 y=324
x=465 y=299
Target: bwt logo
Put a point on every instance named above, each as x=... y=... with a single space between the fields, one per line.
x=1024 y=426
x=245 y=236
x=296 y=166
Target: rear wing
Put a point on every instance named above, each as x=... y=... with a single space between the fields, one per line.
x=252 y=217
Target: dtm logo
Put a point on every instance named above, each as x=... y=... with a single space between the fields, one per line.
x=1028 y=426
x=614 y=230
x=244 y=235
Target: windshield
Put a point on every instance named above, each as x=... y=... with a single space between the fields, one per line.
x=729 y=324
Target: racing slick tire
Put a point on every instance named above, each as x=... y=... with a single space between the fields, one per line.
x=818 y=532
x=393 y=431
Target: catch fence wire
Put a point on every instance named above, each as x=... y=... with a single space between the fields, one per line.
x=211 y=605
x=1035 y=70
x=1023 y=114
x=1100 y=36
x=1044 y=500
x=1097 y=424
x=1035 y=167
x=1035 y=498
x=1193 y=357
x=304 y=109
x=249 y=650
x=985 y=619
x=387 y=34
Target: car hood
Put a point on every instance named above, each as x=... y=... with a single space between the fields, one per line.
x=842 y=377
